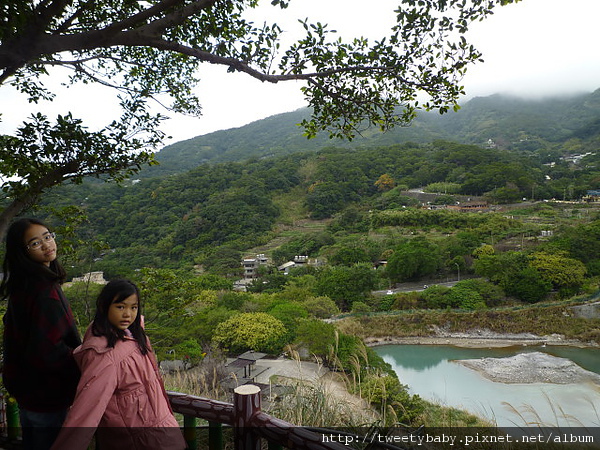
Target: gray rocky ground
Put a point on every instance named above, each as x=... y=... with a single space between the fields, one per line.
x=532 y=367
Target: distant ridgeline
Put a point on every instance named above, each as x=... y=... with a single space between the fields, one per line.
x=254 y=177
x=502 y=121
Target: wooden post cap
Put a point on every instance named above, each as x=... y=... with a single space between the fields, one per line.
x=247 y=389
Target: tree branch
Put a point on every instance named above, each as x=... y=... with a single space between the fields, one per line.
x=178 y=17
x=140 y=17
x=135 y=39
x=46 y=14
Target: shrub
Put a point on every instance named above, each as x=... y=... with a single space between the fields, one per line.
x=290 y=315
x=528 y=286
x=251 y=331
x=491 y=294
x=190 y=351
x=406 y=300
x=233 y=300
x=360 y=308
x=465 y=298
x=436 y=297
x=317 y=336
x=321 y=307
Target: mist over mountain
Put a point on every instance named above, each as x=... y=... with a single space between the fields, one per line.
x=508 y=122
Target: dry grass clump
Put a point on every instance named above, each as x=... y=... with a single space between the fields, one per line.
x=321 y=402
x=528 y=417
x=312 y=404
x=203 y=380
x=440 y=416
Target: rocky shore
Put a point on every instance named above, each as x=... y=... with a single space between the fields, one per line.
x=531 y=367
x=478 y=339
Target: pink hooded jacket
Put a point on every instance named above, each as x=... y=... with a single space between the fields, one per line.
x=121 y=393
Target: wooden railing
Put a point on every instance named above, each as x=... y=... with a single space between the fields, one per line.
x=248 y=422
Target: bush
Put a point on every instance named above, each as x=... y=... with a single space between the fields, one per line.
x=406 y=300
x=465 y=298
x=316 y=336
x=290 y=315
x=528 y=286
x=360 y=308
x=190 y=351
x=233 y=300
x=345 y=351
x=321 y=307
x=260 y=332
x=436 y=297
x=385 y=303
x=491 y=294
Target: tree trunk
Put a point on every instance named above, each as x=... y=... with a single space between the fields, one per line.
x=10 y=212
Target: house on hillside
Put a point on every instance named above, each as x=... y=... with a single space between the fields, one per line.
x=473 y=206
x=592 y=195
x=576 y=159
x=91 y=277
x=490 y=144
x=298 y=261
x=251 y=265
x=285 y=267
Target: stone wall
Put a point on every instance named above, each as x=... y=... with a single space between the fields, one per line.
x=589 y=311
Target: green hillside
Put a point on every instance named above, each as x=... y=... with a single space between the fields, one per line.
x=505 y=217
x=210 y=216
x=512 y=123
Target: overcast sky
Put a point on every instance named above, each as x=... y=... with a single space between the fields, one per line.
x=533 y=48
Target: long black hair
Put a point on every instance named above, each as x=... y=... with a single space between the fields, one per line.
x=117 y=291
x=20 y=271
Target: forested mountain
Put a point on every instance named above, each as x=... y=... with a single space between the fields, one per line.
x=212 y=214
x=209 y=214
x=510 y=122
x=182 y=231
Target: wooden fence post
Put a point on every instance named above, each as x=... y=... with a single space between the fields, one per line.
x=246 y=404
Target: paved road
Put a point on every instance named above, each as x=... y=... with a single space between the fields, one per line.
x=413 y=287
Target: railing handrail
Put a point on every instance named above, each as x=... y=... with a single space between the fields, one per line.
x=248 y=421
x=249 y=424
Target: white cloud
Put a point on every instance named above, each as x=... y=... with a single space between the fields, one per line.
x=534 y=47
x=537 y=47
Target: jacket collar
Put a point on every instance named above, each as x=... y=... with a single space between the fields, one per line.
x=96 y=343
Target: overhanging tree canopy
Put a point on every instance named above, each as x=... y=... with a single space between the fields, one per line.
x=148 y=48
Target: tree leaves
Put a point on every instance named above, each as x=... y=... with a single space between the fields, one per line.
x=43 y=155
x=145 y=49
x=148 y=49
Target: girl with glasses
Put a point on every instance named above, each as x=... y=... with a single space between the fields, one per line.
x=39 y=333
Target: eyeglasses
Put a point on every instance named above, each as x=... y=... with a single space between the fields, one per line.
x=38 y=243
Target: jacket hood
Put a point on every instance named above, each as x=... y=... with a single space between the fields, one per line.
x=97 y=343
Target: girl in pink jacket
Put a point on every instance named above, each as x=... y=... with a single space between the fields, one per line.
x=121 y=395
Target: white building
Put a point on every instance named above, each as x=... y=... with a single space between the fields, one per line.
x=251 y=265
